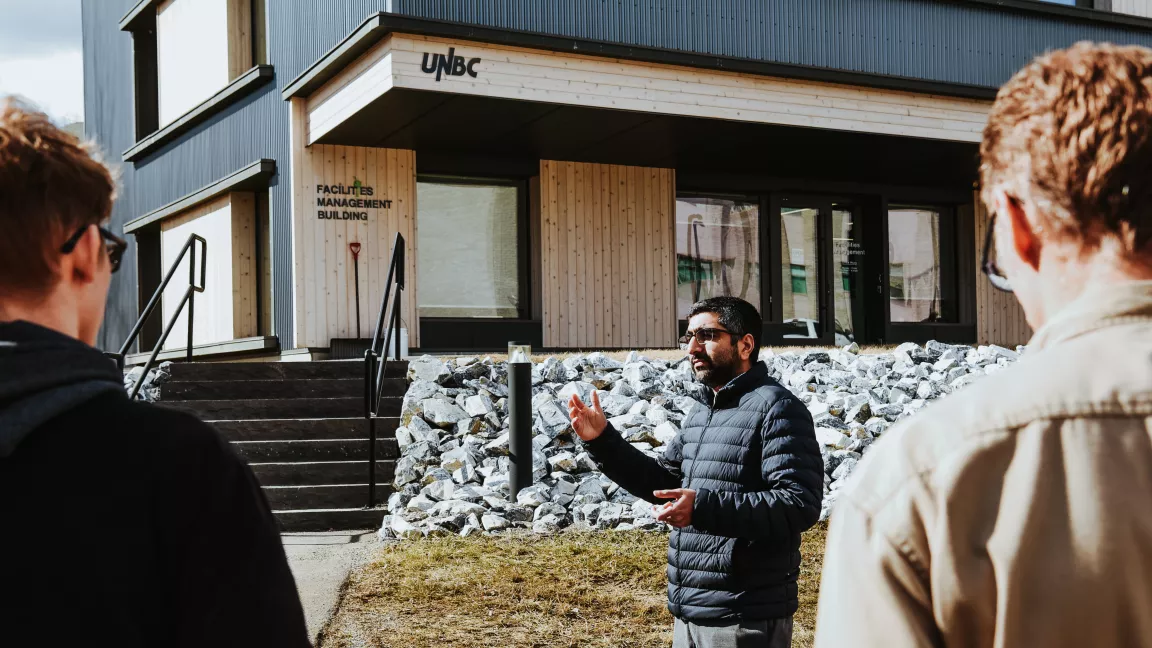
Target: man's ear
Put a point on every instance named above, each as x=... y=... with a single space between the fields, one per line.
x=86 y=257
x=1025 y=243
x=747 y=343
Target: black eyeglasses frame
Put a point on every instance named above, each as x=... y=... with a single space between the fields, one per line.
x=114 y=245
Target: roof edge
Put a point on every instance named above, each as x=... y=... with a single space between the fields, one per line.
x=377 y=26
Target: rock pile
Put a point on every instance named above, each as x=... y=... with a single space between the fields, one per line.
x=452 y=476
x=150 y=389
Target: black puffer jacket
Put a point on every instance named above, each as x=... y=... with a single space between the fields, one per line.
x=753 y=460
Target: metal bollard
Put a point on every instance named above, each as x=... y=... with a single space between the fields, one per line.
x=520 y=417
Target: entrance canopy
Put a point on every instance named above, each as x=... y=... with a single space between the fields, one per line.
x=437 y=93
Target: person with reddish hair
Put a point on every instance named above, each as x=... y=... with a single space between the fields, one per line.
x=1019 y=511
x=121 y=523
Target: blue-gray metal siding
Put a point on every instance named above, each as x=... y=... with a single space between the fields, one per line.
x=939 y=40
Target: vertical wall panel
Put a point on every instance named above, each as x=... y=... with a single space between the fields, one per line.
x=999 y=318
x=606 y=233
x=949 y=41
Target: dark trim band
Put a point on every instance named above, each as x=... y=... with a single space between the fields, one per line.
x=242 y=86
x=377 y=26
x=253 y=176
x=127 y=22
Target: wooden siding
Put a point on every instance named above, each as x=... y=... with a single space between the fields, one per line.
x=324 y=292
x=999 y=318
x=607 y=255
x=576 y=79
x=226 y=310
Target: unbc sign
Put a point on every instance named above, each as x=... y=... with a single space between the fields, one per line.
x=448 y=64
x=353 y=198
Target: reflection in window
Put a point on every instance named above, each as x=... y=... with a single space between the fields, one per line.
x=717 y=251
x=800 y=298
x=470 y=257
x=847 y=255
x=916 y=286
x=799 y=280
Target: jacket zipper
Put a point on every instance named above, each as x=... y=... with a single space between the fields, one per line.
x=688 y=484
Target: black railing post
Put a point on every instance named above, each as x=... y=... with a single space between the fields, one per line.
x=188 y=298
x=520 y=467
x=376 y=356
x=191 y=299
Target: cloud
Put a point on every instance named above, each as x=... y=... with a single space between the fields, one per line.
x=37 y=28
x=53 y=83
x=40 y=55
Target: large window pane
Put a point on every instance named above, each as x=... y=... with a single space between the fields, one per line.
x=469 y=259
x=717 y=251
x=800 y=279
x=848 y=288
x=917 y=287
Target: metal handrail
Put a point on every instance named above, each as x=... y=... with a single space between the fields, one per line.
x=373 y=367
x=188 y=298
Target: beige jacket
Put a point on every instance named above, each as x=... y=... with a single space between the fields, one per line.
x=1017 y=512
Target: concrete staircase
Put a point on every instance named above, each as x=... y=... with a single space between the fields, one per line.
x=301 y=427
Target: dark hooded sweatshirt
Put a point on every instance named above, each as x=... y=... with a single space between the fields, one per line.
x=123 y=523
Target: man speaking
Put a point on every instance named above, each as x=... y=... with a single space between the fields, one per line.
x=739 y=483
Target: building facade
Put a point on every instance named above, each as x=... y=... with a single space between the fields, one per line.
x=570 y=172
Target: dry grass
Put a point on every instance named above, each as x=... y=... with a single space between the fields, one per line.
x=573 y=589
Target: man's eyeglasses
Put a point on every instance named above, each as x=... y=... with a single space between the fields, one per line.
x=702 y=336
x=114 y=244
x=995 y=277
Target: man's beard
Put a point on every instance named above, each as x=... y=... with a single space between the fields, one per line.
x=718 y=371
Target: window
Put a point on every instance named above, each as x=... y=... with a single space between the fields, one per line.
x=799 y=280
x=922 y=260
x=717 y=250
x=468 y=235
x=896 y=282
x=186 y=51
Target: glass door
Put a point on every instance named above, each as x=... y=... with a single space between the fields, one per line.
x=800 y=289
x=817 y=288
x=847 y=284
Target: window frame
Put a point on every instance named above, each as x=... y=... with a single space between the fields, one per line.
x=949 y=242
x=761 y=202
x=523 y=241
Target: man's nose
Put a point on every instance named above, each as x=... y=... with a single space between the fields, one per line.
x=694 y=344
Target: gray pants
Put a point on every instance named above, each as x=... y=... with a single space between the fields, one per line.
x=774 y=633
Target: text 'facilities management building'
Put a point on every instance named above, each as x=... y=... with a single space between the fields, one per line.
x=574 y=173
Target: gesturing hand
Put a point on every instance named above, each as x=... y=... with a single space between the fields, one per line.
x=678 y=513
x=588 y=421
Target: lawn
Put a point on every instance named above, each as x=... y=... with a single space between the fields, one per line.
x=572 y=589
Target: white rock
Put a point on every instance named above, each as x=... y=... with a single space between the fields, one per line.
x=493 y=522
x=665 y=432
x=442 y=413
x=428 y=368
x=478 y=405
x=829 y=436
x=565 y=461
x=534 y=495
x=405 y=530
x=499 y=446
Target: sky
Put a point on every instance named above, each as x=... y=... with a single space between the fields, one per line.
x=40 y=55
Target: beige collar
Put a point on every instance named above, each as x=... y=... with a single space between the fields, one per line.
x=1098 y=307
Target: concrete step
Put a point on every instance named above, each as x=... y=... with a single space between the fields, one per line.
x=309 y=388
x=212 y=371
x=314 y=450
x=316 y=473
x=324 y=496
x=305 y=429
x=330 y=519
x=275 y=408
